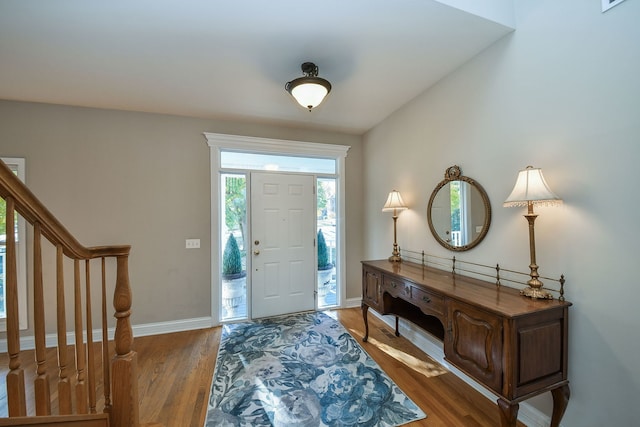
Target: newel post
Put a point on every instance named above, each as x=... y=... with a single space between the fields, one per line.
x=124 y=373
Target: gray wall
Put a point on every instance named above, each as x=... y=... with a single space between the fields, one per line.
x=115 y=177
x=561 y=93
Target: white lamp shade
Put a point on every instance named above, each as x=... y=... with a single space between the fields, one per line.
x=309 y=95
x=531 y=187
x=394 y=202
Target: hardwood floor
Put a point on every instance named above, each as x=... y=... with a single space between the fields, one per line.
x=447 y=400
x=175 y=372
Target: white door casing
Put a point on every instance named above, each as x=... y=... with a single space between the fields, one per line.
x=219 y=142
x=282 y=247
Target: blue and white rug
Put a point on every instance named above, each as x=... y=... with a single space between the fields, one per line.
x=301 y=370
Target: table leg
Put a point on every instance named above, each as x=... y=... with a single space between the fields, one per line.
x=508 y=413
x=365 y=311
x=560 y=401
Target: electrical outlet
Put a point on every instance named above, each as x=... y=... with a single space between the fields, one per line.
x=193 y=244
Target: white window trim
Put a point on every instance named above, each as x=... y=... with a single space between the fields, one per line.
x=21 y=252
x=218 y=142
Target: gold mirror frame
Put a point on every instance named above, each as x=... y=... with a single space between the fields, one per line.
x=453 y=173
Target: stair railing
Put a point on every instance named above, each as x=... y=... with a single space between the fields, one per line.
x=120 y=387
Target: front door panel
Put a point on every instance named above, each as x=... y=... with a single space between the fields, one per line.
x=283 y=233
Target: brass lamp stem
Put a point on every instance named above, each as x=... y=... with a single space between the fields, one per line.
x=535 y=285
x=395 y=255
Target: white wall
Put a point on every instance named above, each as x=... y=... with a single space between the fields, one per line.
x=561 y=93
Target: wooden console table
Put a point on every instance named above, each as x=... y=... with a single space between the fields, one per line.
x=513 y=345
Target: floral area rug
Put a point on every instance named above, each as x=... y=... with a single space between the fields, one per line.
x=301 y=370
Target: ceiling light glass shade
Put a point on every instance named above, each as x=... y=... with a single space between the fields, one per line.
x=308 y=94
x=309 y=91
x=394 y=202
x=531 y=187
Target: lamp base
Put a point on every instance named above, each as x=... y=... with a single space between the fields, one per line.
x=536 y=293
x=395 y=258
x=395 y=253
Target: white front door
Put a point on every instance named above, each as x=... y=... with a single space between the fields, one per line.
x=283 y=251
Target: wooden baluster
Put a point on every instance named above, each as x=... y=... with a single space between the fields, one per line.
x=106 y=380
x=15 y=377
x=64 y=385
x=41 y=383
x=124 y=366
x=91 y=366
x=81 y=385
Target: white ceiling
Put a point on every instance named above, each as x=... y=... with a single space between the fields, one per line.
x=231 y=59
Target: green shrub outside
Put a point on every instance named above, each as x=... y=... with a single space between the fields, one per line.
x=323 y=253
x=231 y=258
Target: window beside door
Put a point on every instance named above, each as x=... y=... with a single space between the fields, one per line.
x=328 y=295
x=234 y=253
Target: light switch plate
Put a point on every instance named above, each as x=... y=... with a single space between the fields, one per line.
x=193 y=244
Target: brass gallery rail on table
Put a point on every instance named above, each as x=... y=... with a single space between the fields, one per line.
x=76 y=385
x=515 y=346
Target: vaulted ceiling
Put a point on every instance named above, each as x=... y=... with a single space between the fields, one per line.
x=231 y=59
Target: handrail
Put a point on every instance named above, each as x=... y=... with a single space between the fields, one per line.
x=122 y=405
x=33 y=211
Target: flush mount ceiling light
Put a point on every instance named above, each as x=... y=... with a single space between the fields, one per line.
x=309 y=90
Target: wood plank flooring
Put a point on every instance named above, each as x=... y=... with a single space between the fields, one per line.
x=175 y=372
x=446 y=399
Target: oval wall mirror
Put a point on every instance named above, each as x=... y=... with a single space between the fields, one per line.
x=459 y=212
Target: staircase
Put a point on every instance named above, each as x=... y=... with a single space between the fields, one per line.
x=76 y=387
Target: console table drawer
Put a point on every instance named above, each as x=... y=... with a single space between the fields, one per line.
x=396 y=288
x=427 y=301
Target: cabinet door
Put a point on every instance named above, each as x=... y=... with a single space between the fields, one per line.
x=371 y=284
x=474 y=343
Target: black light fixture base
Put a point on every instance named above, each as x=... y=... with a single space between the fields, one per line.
x=310 y=71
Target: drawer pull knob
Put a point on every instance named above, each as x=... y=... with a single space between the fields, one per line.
x=426 y=299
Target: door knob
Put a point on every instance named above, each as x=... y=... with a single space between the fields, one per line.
x=256 y=252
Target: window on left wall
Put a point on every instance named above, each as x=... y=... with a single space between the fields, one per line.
x=17 y=165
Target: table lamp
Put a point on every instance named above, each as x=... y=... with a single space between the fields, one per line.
x=532 y=189
x=395 y=204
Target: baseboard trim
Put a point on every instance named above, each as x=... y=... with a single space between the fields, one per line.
x=172 y=326
x=51 y=340
x=146 y=329
x=527 y=414
x=352 y=302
